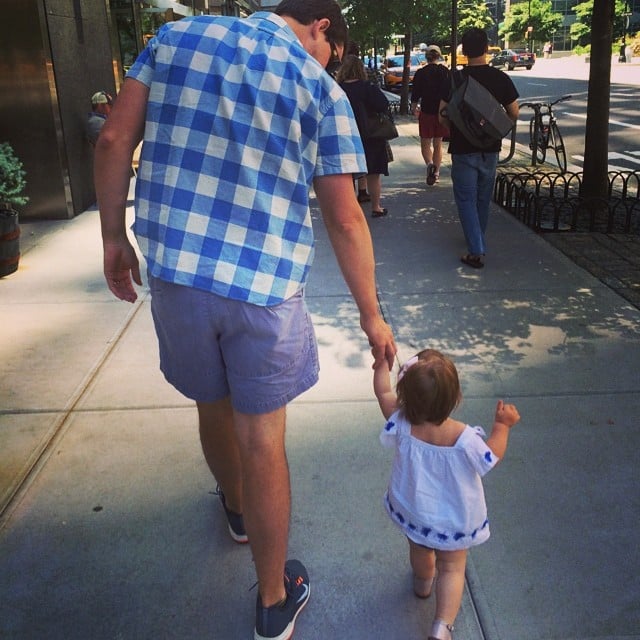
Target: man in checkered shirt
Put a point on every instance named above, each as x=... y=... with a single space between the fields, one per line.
x=238 y=120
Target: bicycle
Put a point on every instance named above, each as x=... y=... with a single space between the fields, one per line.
x=544 y=133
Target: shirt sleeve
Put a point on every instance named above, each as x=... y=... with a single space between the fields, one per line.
x=389 y=434
x=481 y=458
x=143 y=67
x=340 y=148
x=416 y=89
x=509 y=91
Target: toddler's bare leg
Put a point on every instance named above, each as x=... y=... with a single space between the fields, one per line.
x=423 y=563
x=449 y=587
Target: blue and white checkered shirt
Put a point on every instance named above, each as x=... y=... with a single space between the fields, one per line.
x=240 y=119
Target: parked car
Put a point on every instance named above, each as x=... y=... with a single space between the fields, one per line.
x=512 y=58
x=394 y=67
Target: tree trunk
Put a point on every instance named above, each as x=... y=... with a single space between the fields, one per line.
x=595 y=181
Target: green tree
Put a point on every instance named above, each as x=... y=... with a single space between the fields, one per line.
x=366 y=27
x=379 y=20
x=474 y=14
x=537 y=14
x=580 y=30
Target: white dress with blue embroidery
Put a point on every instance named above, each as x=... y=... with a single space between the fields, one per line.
x=435 y=493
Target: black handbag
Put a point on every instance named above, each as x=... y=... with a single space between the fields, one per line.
x=381 y=126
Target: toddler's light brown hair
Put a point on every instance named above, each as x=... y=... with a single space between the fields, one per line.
x=429 y=390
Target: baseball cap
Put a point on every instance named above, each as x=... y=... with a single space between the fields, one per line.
x=433 y=47
x=101 y=97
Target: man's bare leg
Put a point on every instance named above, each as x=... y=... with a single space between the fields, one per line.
x=437 y=153
x=266 y=497
x=220 y=448
x=246 y=454
x=425 y=149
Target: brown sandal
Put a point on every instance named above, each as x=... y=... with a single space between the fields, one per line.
x=379 y=214
x=472 y=261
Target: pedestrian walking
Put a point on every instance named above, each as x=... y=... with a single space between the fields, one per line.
x=367 y=98
x=239 y=118
x=473 y=170
x=431 y=84
x=435 y=494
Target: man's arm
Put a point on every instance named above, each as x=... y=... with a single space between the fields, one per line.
x=443 y=119
x=351 y=242
x=118 y=139
x=513 y=110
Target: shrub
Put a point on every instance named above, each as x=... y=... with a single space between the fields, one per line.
x=581 y=50
x=12 y=177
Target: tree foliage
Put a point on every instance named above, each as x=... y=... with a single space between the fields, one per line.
x=376 y=22
x=472 y=15
x=580 y=30
x=538 y=14
x=428 y=20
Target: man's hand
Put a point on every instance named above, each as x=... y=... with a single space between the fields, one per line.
x=383 y=346
x=120 y=267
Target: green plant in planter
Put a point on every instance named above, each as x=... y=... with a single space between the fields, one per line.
x=12 y=185
x=12 y=177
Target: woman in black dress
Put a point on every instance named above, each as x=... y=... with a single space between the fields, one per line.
x=367 y=98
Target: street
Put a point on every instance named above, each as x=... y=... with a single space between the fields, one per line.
x=550 y=79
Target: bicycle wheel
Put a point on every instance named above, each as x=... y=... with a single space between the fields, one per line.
x=539 y=147
x=558 y=147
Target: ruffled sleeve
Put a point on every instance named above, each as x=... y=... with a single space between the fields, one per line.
x=482 y=459
x=389 y=433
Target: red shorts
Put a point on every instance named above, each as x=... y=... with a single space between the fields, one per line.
x=430 y=127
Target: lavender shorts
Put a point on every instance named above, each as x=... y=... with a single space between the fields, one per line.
x=213 y=347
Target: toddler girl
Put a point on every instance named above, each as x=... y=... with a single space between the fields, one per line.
x=435 y=493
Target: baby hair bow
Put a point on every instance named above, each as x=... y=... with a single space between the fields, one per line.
x=406 y=366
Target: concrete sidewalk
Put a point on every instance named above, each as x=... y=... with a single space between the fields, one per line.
x=109 y=527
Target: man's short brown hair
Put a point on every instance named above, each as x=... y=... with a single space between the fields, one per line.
x=306 y=11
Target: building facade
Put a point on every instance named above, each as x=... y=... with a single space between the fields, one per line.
x=55 y=55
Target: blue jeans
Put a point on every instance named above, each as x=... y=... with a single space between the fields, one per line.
x=473 y=176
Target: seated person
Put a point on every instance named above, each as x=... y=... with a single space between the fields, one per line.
x=100 y=108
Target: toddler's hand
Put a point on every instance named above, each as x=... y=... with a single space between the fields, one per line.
x=506 y=414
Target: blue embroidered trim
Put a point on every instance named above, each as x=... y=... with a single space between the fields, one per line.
x=426 y=532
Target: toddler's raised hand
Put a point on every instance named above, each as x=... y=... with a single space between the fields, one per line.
x=506 y=414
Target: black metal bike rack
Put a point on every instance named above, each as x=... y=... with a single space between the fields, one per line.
x=551 y=201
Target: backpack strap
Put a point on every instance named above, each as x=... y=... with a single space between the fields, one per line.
x=457 y=78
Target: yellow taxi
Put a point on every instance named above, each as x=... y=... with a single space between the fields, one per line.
x=394 y=67
x=461 y=59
